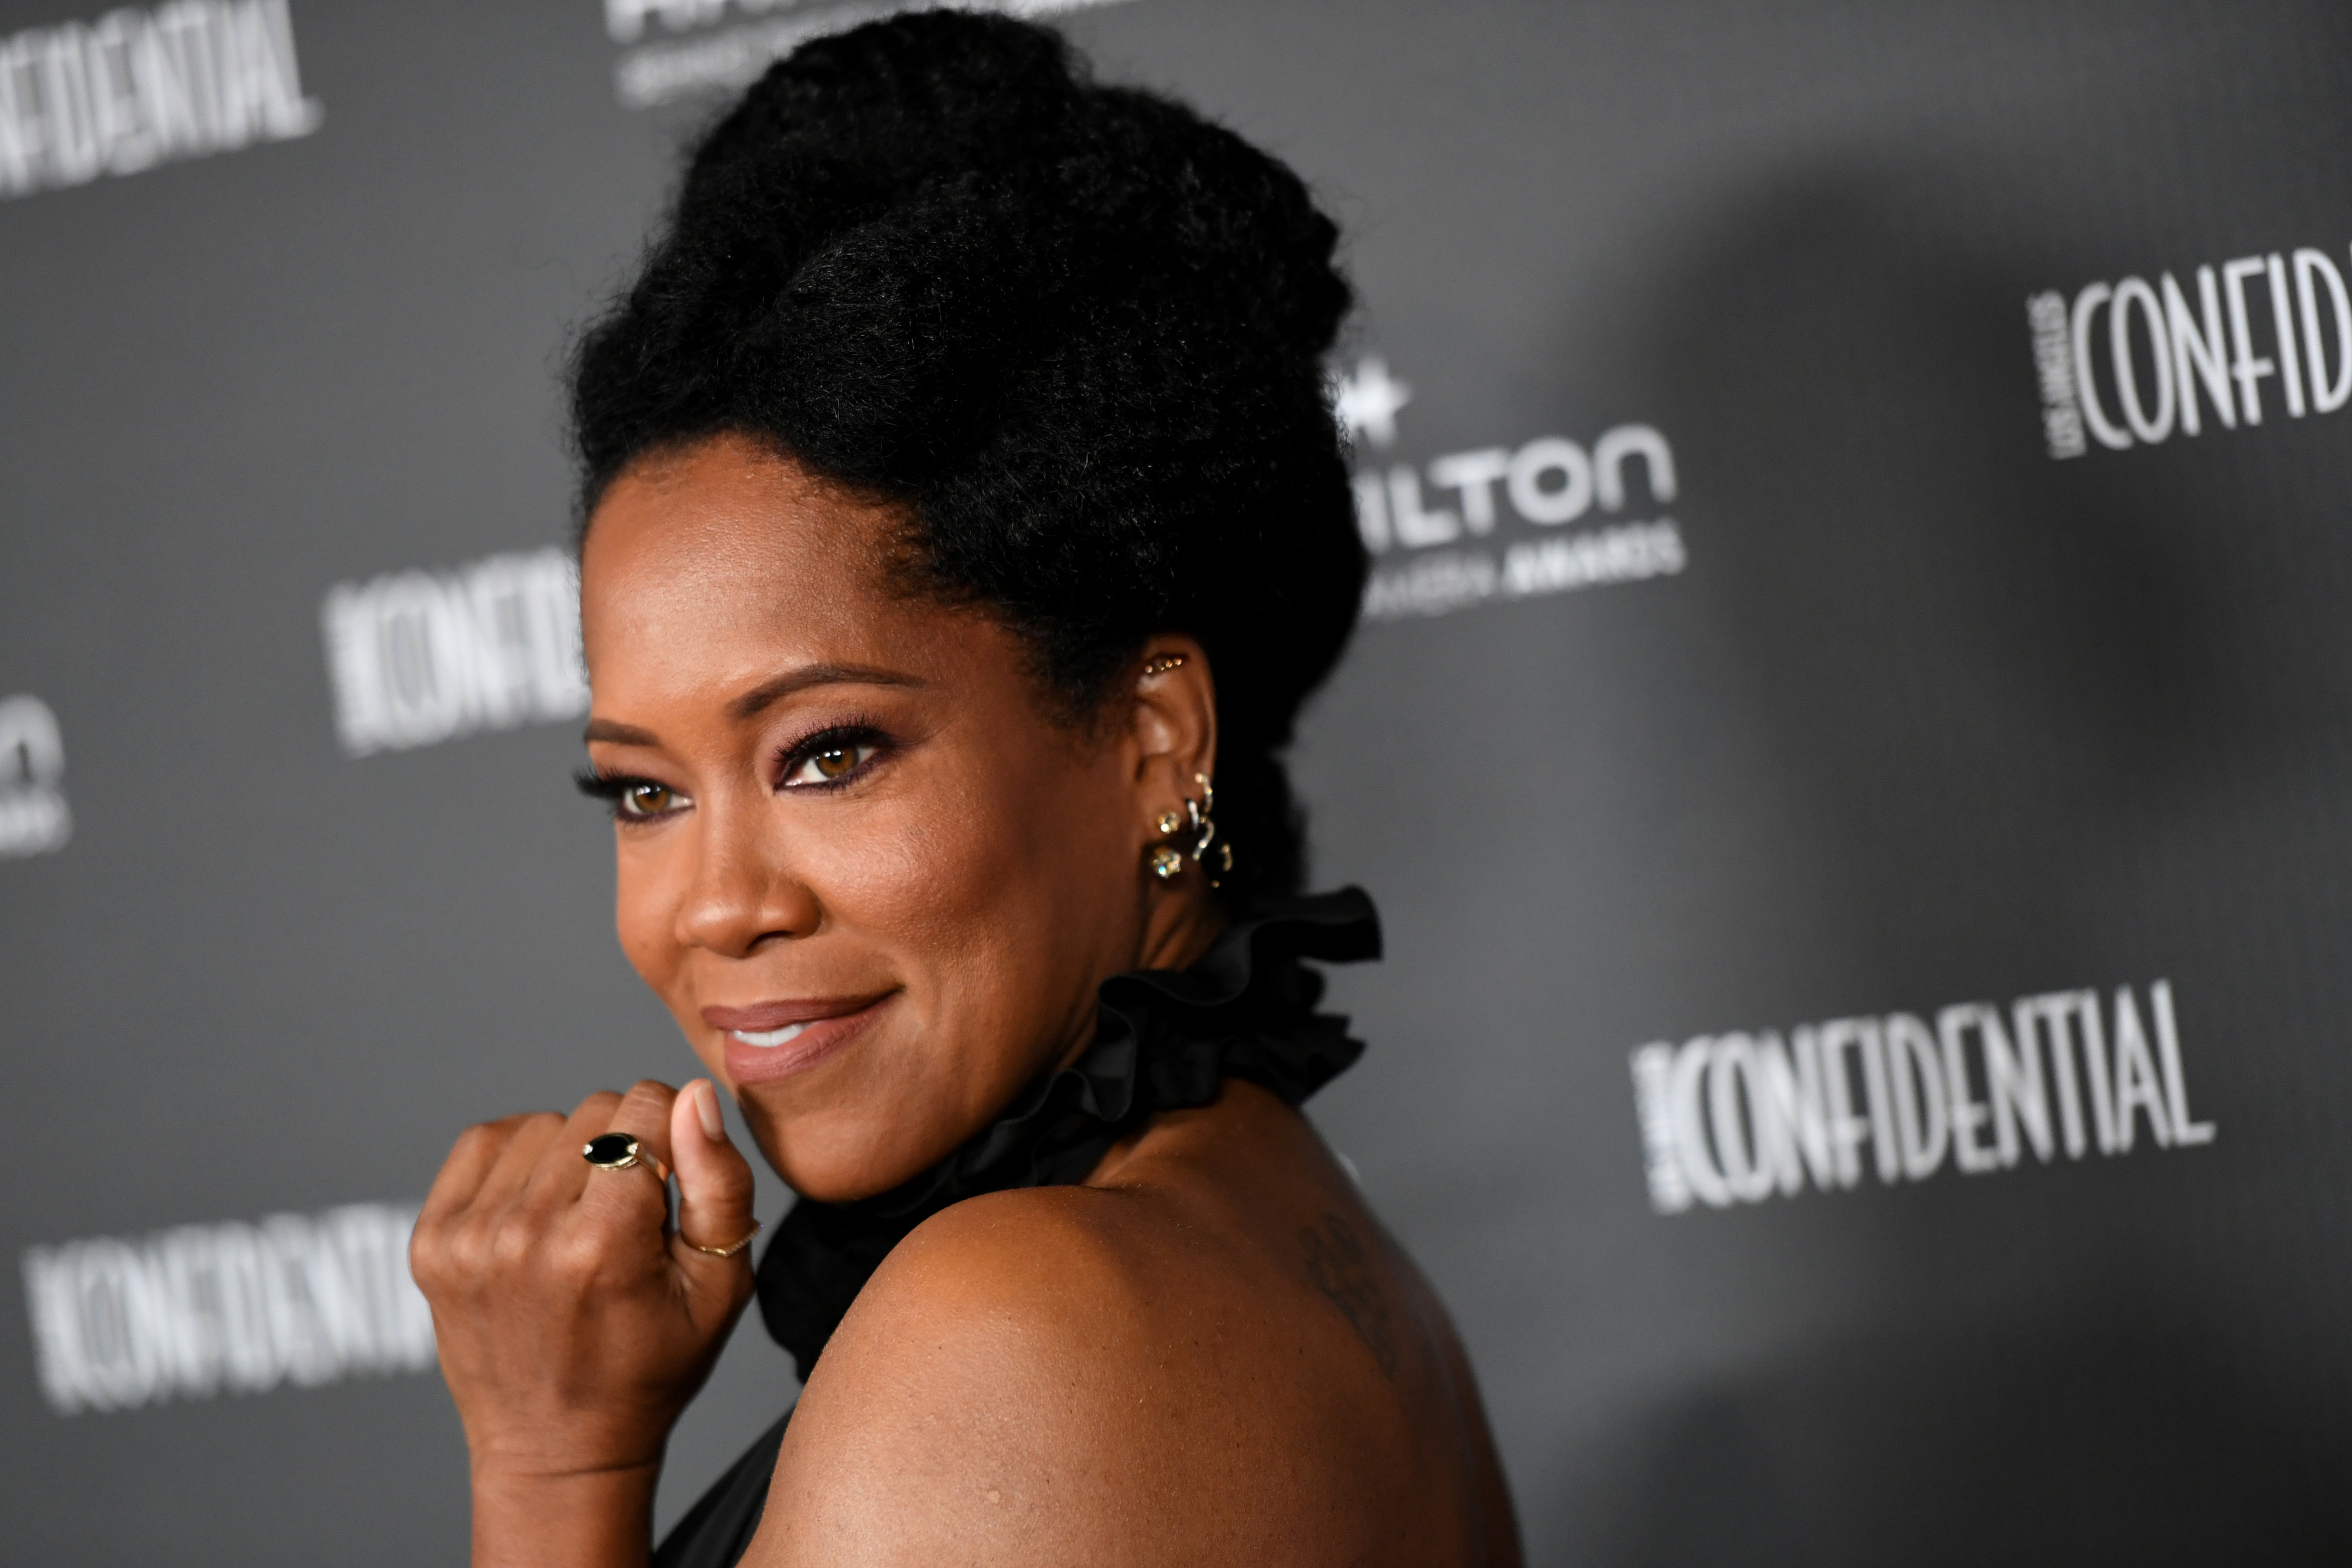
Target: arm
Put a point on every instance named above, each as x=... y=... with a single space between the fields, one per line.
x=591 y=1520
x=573 y=1328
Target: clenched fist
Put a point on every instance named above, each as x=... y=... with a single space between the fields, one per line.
x=573 y=1324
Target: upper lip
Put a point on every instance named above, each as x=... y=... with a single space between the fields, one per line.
x=764 y=1016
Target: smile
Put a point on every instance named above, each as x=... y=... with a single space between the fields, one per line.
x=776 y=1040
x=772 y=1036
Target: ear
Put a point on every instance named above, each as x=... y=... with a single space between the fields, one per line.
x=1174 y=733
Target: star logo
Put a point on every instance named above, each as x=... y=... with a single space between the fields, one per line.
x=1367 y=402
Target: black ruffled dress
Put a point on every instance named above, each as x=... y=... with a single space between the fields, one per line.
x=1165 y=1040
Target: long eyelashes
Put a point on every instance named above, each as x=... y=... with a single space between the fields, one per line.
x=831 y=758
x=605 y=787
x=630 y=798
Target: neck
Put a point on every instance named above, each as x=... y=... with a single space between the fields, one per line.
x=1180 y=926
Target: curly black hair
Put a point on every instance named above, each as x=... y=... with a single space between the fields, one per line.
x=1074 y=331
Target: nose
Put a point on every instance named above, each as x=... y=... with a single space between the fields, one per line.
x=743 y=891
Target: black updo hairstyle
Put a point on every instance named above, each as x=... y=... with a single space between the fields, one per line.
x=1076 y=331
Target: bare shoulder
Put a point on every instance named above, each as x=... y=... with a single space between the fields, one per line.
x=1202 y=1359
x=1017 y=1290
x=980 y=1402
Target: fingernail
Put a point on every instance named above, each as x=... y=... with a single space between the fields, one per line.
x=706 y=1105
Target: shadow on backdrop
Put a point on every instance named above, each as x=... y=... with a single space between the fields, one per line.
x=2008 y=690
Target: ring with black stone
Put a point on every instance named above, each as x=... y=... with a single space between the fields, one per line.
x=618 y=1152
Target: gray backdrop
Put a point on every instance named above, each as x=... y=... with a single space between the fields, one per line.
x=1909 y=690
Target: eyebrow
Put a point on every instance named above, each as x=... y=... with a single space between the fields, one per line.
x=764 y=696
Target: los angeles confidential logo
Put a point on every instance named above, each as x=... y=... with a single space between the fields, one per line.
x=143 y=86
x=2133 y=362
x=298 y=1301
x=420 y=657
x=1745 y=1116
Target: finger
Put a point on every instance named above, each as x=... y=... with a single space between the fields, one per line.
x=562 y=1171
x=641 y=1190
x=714 y=1184
x=470 y=1158
x=529 y=1139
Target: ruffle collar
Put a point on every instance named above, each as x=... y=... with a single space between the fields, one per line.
x=1164 y=1040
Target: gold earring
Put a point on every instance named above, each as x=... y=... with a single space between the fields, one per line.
x=1205 y=826
x=1162 y=665
x=1166 y=862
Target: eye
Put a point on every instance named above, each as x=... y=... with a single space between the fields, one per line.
x=642 y=799
x=631 y=799
x=829 y=760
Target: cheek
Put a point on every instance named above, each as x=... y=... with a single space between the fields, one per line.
x=922 y=875
x=1001 y=883
x=645 y=912
x=647 y=890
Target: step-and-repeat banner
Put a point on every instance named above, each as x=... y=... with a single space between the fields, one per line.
x=1852 y=734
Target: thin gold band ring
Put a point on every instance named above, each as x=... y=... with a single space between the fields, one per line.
x=723 y=1252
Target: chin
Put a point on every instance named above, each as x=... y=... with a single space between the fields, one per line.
x=840 y=1157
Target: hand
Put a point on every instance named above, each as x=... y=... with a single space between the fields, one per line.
x=572 y=1327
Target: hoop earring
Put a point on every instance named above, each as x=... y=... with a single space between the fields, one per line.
x=1166 y=861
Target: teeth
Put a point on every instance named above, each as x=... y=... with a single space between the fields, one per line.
x=769 y=1037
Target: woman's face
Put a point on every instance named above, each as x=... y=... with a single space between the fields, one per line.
x=873 y=880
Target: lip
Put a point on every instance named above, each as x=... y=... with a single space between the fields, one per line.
x=813 y=1027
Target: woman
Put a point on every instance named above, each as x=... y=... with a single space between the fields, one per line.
x=962 y=498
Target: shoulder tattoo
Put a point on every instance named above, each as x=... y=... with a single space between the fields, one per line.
x=1340 y=1268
